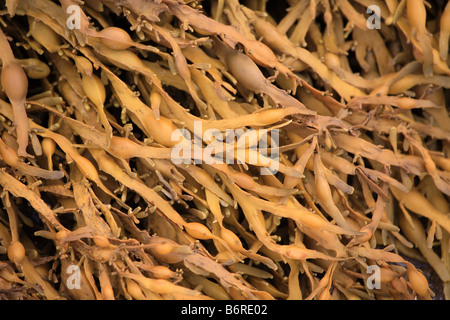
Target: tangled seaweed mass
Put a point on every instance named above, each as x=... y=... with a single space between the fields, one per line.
x=348 y=197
